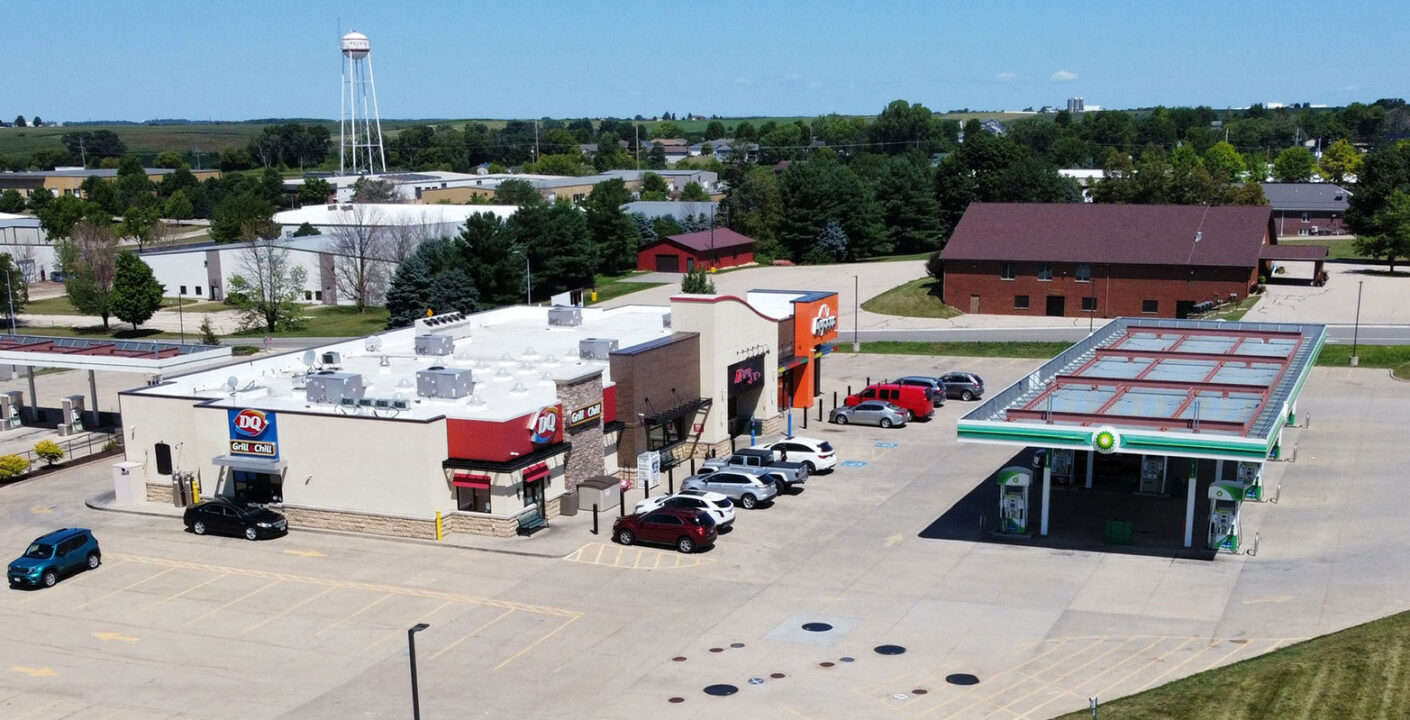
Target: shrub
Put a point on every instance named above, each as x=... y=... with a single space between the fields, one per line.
x=12 y=466
x=111 y=445
x=697 y=282
x=49 y=451
x=208 y=336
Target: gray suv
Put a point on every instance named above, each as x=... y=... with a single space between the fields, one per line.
x=746 y=488
x=934 y=384
x=963 y=385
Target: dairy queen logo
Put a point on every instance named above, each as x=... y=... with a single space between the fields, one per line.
x=544 y=426
x=250 y=423
x=825 y=322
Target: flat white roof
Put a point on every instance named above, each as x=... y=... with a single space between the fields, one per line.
x=775 y=304
x=513 y=354
x=387 y=214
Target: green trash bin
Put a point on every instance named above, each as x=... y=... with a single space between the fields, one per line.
x=1118 y=532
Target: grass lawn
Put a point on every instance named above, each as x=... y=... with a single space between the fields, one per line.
x=1340 y=248
x=898 y=258
x=1234 y=311
x=331 y=321
x=50 y=306
x=118 y=331
x=615 y=286
x=916 y=298
x=1394 y=357
x=1360 y=672
x=194 y=305
x=1035 y=350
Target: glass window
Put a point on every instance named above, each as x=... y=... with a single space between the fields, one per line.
x=1020 y=302
x=1089 y=304
x=666 y=434
x=1045 y=271
x=308 y=295
x=318 y=295
x=1006 y=271
x=472 y=499
x=198 y=291
x=1150 y=306
x=1083 y=272
x=183 y=290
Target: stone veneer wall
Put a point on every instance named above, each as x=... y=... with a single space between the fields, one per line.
x=394 y=525
x=585 y=441
x=159 y=493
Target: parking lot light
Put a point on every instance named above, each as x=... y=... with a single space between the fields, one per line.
x=411 y=649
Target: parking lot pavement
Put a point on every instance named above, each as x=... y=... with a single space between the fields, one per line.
x=313 y=625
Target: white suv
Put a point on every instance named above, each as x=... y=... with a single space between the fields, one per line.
x=816 y=454
x=719 y=506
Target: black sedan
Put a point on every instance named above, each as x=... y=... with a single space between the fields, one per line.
x=224 y=517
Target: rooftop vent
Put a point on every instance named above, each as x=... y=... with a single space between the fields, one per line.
x=596 y=348
x=559 y=316
x=434 y=344
x=666 y=321
x=334 y=387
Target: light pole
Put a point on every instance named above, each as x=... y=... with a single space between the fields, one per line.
x=411 y=648
x=1356 y=329
x=180 y=312
x=528 y=278
x=10 y=295
x=856 y=300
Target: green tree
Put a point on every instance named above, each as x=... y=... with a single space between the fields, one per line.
x=697 y=282
x=140 y=223
x=136 y=294
x=614 y=233
x=714 y=130
x=38 y=199
x=654 y=184
x=1341 y=161
x=11 y=201
x=754 y=208
x=903 y=126
x=18 y=287
x=656 y=158
x=374 y=190
x=561 y=250
x=831 y=245
x=168 y=160
x=48 y=451
x=665 y=130
x=517 y=191
x=12 y=466
x=1294 y=165
x=21 y=122
x=269 y=285
x=304 y=230
x=909 y=208
x=1392 y=237
x=178 y=206
x=89 y=261
x=822 y=189
x=315 y=191
x=1383 y=171
x=235 y=213
x=1224 y=163
x=132 y=186
x=693 y=192
x=59 y=216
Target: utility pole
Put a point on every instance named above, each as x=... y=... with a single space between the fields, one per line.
x=636 y=136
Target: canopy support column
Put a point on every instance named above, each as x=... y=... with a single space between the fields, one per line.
x=1047 y=491
x=33 y=397
x=93 y=394
x=1091 y=463
x=1190 y=499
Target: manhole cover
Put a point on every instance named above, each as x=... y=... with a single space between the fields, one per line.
x=889 y=649
x=777 y=676
x=847 y=659
x=676 y=700
x=721 y=690
x=717 y=649
x=736 y=645
x=962 y=679
x=919 y=691
x=816 y=627
x=826 y=664
x=678 y=658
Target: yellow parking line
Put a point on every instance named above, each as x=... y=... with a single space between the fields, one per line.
x=472 y=633
x=364 y=609
x=397 y=632
x=287 y=610
x=240 y=599
x=600 y=549
x=536 y=643
x=618 y=560
x=1142 y=668
x=169 y=598
x=637 y=561
x=124 y=588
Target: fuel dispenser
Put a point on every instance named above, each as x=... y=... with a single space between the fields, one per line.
x=72 y=421
x=1013 y=500
x=1251 y=477
x=1225 y=497
x=11 y=409
x=1153 y=469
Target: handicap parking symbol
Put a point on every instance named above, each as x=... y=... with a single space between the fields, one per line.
x=884 y=444
x=853 y=463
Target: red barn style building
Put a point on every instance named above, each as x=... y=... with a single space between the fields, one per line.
x=717 y=248
x=1083 y=259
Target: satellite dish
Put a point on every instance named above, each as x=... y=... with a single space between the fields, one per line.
x=373 y=344
x=232 y=382
x=309 y=357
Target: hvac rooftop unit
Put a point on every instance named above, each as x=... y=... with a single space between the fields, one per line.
x=433 y=344
x=596 y=348
x=565 y=316
x=449 y=383
x=332 y=359
x=332 y=387
x=666 y=321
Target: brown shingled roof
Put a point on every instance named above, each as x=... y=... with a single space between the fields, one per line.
x=1229 y=236
x=703 y=241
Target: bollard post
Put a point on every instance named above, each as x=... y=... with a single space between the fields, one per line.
x=805 y=421
x=868 y=380
x=594 y=518
x=671 y=479
x=834 y=399
x=621 y=500
x=646 y=486
x=820 y=410
x=849 y=388
x=692 y=464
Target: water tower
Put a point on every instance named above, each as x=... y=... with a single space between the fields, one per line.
x=360 y=131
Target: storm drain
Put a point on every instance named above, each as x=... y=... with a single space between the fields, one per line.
x=889 y=650
x=962 y=679
x=721 y=690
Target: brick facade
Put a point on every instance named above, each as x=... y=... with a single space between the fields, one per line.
x=1311 y=223
x=585 y=438
x=645 y=381
x=975 y=286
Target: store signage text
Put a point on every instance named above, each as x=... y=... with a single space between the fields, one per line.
x=253 y=432
x=245 y=447
x=544 y=426
x=745 y=374
x=825 y=322
x=584 y=415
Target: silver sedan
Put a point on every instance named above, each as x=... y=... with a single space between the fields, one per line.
x=871 y=412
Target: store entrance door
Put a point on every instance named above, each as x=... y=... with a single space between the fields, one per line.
x=255 y=487
x=533 y=494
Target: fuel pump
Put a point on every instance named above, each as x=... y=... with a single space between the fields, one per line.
x=1013 y=499
x=11 y=409
x=1225 y=497
x=1251 y=477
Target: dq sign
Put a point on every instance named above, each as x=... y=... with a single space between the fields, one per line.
x=544 y=426
x=824 y=322
x=253 y=432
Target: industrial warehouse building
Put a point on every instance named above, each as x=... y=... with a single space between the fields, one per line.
x=466 y=423
x=1095 y=260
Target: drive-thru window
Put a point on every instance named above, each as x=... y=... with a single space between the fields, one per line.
x=1147 y=408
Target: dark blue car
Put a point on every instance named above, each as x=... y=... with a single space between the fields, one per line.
x=55 y=555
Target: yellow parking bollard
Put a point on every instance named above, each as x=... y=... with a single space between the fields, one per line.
x=440 y=530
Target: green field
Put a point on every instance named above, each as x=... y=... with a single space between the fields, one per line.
x=916 y=298
x=1361 y=672
x=1337 y=248
x=331 y=321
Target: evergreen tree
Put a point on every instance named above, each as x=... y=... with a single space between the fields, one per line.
x=136 y=294
x=909 y=207
x=697 y=282
x=823 y=189
x=615 y=234
x=11 y=201
x=831 y=245
x=409 y=294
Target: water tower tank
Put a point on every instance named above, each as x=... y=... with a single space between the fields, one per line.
x=356 y=45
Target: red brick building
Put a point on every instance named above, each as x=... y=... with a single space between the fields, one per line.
x=1083 y=259
x=719 y=248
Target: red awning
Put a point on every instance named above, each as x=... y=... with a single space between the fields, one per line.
x=535 y=473
x=470 y=480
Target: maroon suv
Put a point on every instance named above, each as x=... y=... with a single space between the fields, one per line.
x=686 y=528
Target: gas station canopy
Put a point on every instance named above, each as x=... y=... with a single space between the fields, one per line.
x=1185 y=388
x=159 y=358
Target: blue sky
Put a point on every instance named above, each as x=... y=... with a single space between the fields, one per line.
x=139 y=59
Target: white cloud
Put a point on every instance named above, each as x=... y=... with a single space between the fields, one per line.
x=1007 y=77
x=1064 y=76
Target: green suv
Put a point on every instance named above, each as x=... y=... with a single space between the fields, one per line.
x=55 y=555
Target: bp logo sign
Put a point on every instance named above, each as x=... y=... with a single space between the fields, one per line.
x=1106 y=440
